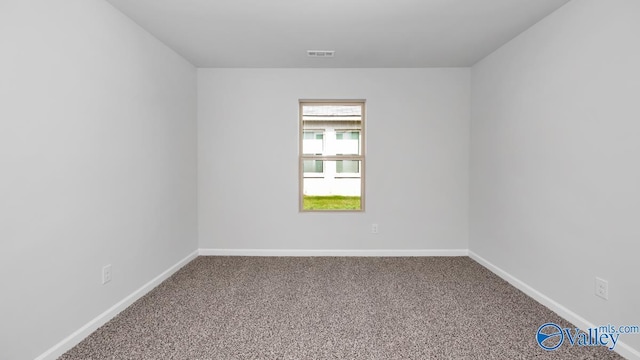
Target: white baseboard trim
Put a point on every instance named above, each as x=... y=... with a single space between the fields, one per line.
x=621 y=348
x=304 y=252
x=80 y=334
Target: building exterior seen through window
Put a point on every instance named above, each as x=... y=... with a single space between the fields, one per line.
x=331 y=155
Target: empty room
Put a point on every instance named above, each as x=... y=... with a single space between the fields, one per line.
x=390 y=179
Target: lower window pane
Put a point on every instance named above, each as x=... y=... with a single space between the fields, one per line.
x=347 y=166
x=338 y=188
x=313 y=166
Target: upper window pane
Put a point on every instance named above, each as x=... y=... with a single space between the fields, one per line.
x=347 y=143
x=313 y=142
x=341 y=126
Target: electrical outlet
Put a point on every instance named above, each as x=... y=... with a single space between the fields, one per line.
x=106 y=274
x=374 y=228
x=602 y=288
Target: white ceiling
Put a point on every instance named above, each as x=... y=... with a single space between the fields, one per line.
x=364 y=33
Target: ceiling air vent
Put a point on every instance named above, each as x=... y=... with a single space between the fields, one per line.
x=320 y=53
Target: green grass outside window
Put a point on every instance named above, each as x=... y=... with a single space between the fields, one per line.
x=331 y=202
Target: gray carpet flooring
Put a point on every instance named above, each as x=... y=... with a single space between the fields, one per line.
x=330 y=308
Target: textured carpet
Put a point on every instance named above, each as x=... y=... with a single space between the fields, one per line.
x=330 y=308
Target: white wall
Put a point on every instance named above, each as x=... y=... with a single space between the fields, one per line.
x=555 y=159
x=97 y=163
x=417 y=125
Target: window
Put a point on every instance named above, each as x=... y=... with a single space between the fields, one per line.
x=331 y=155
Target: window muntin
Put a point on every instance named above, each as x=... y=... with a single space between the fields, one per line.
x=331 y=155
